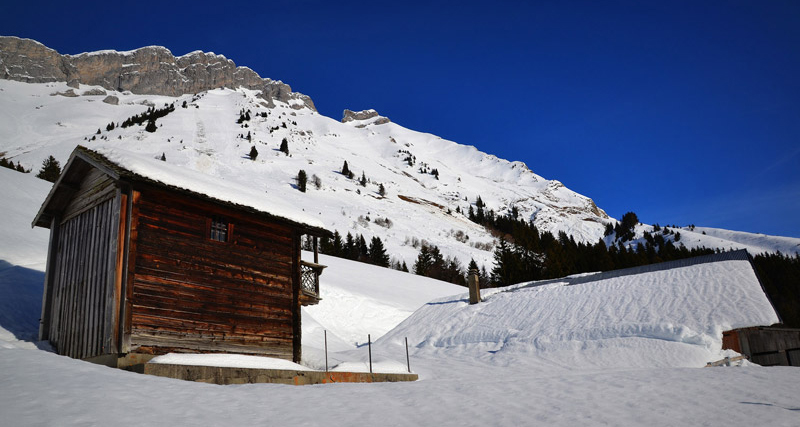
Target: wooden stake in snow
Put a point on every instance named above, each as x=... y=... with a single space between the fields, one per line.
x=326 y=351
x=369 y=346
x=408 y=361
x=474 y=287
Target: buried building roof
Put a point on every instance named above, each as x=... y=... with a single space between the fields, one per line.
x=671 y=314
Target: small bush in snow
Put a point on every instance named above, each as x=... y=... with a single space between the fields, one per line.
x=384 y=222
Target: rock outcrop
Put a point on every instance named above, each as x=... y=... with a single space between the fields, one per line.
x=148 y=70
x=367 y=117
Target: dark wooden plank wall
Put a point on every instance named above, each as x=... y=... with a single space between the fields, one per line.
x=771 y=346
x=190 y=293
x=83 y=282
x=95 y=187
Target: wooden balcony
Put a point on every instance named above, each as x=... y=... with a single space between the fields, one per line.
x=309 y=282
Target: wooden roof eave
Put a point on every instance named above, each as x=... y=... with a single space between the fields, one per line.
x=64 y=185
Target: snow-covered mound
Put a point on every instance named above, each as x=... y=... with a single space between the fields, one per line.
x=359 y=299
x=673 y=317
x=22 y=194
x=23 y=255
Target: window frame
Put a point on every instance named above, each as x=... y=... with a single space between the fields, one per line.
x=219 y=229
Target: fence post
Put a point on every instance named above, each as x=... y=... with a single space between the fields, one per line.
x=326 y=350
x=369 y=345
x=408 y=361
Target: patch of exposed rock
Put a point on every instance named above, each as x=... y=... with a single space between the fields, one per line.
x=364 y=116
x=149 y=70
x=111 y=99
x=69 y=93
x=94 y=92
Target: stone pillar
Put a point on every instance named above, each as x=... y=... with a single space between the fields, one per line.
x=474 y=287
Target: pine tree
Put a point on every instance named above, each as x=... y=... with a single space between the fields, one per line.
x=302 y=179
x=285 y=146
x=253 y=153
x=381 y=190
x=363 y=180
x=377 y=253
x=345 y=169
x=350 y=247
x=337 y=247
x=151 y=126
x=505 y=271
x=50 y=170
x=424 y=261
x=163 y=157
x=363 y=249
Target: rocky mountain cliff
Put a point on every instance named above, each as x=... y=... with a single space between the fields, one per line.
x=148 y=70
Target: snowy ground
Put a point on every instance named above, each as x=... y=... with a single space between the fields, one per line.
x=617 y=352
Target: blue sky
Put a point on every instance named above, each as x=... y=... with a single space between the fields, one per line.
x=683 y=112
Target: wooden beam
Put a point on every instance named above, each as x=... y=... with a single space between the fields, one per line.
x=49 y=278
x=126 y=292
x=296 y=321
x=116 y=268
x=316 y=250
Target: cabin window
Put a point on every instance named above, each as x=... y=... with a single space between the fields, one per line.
x=219 y=229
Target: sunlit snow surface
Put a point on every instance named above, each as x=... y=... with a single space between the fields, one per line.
x=623 y=352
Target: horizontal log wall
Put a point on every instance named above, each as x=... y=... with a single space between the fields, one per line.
x=83 y=282
x=194 y=294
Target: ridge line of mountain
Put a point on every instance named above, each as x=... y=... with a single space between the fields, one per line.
x=151 y=70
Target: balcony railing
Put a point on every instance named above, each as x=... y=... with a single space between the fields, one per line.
x=309 y=282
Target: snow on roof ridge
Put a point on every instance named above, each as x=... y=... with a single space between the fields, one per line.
x=212 y=187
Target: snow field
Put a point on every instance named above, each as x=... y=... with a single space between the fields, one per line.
x=623 y=352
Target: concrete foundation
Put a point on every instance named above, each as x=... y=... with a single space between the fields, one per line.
x=225 y=375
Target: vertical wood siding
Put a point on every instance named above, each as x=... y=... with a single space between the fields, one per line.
x=190 y=293
x=83 y=281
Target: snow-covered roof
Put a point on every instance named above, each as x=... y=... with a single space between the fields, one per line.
x=671 y=316
x=125 y=165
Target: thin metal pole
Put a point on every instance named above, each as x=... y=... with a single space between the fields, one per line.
x=369 y=344
x=326 y=351
x=408 y=361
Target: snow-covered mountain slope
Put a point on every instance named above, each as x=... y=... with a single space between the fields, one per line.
x=205 y=136
x=37 y=120
x=754 y=243
x=713 y=238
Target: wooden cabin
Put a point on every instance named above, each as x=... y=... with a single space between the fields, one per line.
x=147 y=258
